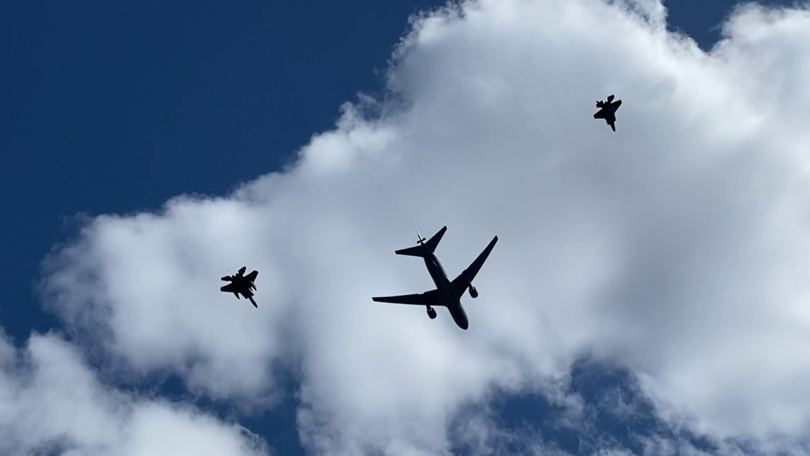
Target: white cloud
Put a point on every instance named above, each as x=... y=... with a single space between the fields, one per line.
x=676 y=246
x=50 y=401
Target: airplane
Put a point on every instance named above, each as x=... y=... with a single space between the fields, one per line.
x=241 y=283
x=608 y=111
x=447 y=293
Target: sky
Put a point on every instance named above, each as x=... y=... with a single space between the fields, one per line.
x=646 y=296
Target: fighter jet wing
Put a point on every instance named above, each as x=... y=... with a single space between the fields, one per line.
x=461 y=282
x=229 y=288
x=616 y=105
x=252 y=276
x=600 y=114
x=428 y=298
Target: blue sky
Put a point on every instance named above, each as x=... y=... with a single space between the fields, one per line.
x=116 y=107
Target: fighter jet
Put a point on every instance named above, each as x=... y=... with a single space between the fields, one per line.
x=608 y=111
x=447 y=293
x=241 y=283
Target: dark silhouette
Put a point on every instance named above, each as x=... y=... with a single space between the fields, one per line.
x=608 y=111
x=447 y=294
x=241 y=283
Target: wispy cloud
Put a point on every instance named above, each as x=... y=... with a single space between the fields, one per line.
x=52 y=403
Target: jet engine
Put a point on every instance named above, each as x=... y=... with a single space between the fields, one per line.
x=473 y=292
x=431 y=313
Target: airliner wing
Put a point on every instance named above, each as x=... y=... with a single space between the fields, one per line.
x=463 y=280
x=428 y=298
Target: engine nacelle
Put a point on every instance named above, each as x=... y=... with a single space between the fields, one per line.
x=473 y=292
x=431 y=313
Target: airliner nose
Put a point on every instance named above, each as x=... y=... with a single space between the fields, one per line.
x=460 y=317
x=462 y=322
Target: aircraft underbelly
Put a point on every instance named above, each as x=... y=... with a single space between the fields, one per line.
x=440 y=279
x=435 y=271
x=446 y=291
x=459 y=316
